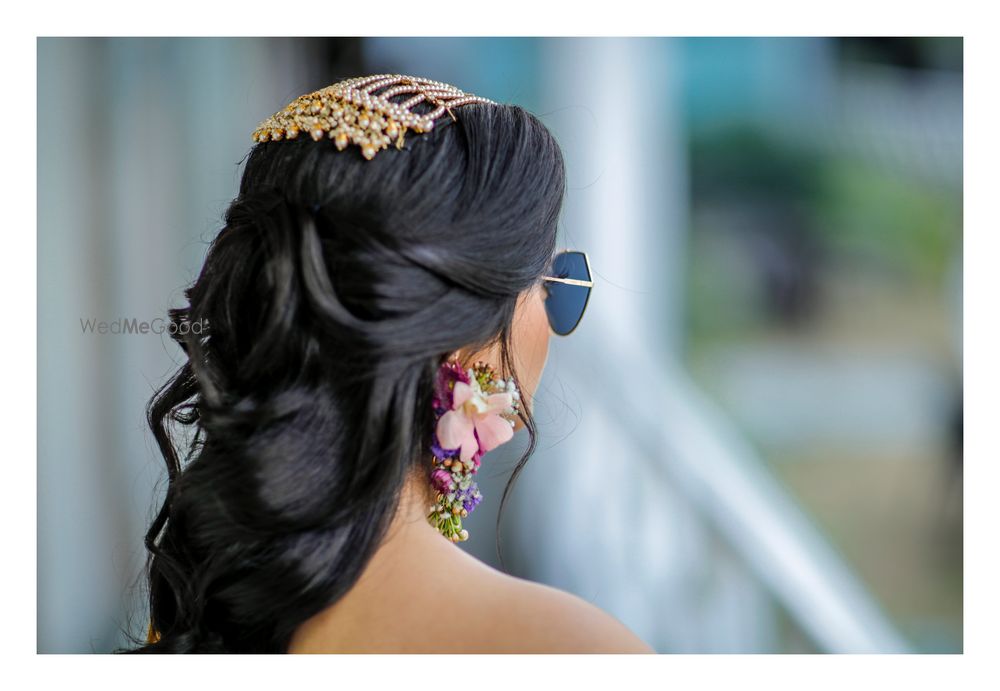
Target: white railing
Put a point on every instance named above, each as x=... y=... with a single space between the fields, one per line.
x=683 y=441
x=654 y=475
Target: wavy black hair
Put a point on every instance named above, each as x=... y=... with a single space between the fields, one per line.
x=312 y=335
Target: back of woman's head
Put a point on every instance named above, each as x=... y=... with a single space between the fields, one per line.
x=313 y=333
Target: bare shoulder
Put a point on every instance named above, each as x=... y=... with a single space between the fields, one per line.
x=531 y=617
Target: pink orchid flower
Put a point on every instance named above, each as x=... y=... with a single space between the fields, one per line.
x=473 y=415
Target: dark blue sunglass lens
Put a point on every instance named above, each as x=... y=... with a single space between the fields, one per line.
x=565 y=302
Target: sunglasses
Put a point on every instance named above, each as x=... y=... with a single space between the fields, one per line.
x=567 y=291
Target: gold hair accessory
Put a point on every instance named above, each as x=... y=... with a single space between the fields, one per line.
x=352 y=112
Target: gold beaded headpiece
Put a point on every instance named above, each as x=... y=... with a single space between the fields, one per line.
x=361 y=111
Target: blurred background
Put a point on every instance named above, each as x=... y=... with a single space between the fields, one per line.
x=753 y=441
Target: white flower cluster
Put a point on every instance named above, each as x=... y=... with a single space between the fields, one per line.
x=507 y=386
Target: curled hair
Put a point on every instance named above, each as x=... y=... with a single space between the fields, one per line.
x=327 y=302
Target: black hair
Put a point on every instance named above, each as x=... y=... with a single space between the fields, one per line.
x=312 y=335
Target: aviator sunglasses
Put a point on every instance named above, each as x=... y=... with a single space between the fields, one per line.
x=567 y=291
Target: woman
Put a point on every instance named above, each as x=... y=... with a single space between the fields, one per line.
x=372 y=319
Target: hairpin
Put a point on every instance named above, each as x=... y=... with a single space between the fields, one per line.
x=361 y=111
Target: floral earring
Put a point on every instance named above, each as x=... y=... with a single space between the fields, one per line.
x=474 y=412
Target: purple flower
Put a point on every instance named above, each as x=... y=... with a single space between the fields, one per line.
x=441 y=480
x=469 y=497
x=441 y=452
x=449 y=373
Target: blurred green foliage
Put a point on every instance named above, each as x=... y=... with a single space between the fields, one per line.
x=748 y=180
x=910 y=226
x=741 y=161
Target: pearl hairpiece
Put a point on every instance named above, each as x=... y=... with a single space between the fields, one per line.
x=351 y=111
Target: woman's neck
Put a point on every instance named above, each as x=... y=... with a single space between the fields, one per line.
x=400 y=586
